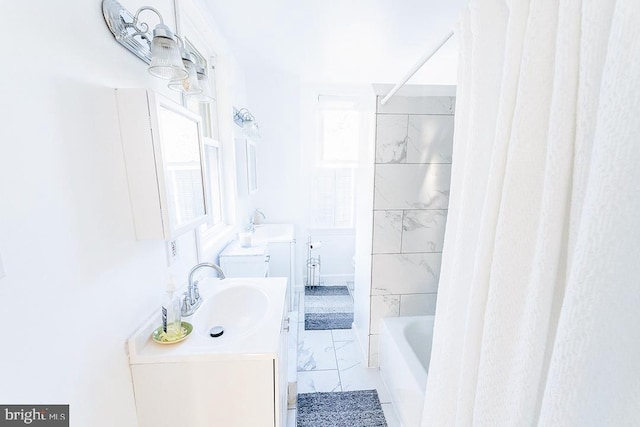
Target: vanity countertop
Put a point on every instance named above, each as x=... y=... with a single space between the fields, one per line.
x=234 y=249
x=249 y=309
x=273 y=233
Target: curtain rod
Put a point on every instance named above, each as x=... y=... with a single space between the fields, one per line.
x=415 y=68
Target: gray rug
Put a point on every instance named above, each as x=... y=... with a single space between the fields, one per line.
x=326 y=290
x=324 y=321
x=340 y=409
x=327 y=307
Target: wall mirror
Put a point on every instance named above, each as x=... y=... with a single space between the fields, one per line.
x=163 y=148
x=179 y=136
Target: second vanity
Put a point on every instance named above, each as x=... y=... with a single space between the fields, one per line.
x=238 y=379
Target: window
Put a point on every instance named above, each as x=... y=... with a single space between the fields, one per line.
x=336 y=160
x=333 y=198
x=340 y=132
x=212 y=155
x=212 y=165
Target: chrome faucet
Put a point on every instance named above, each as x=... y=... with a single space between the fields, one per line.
x=192 y=299
x=252 y=220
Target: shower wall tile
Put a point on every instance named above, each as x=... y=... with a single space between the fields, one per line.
x=414 y=142
x=405 y=273
x=418 y=304
x=383 y=306
x=412 y=186
x=387 y=231
x=423 y=230
x=418 y=105
x=430 y=139
x=391 y=138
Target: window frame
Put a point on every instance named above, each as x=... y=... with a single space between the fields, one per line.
x=333 y=103
x=210 y=233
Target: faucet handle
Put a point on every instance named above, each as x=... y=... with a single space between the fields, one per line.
x=196 y=291
x=186 y=307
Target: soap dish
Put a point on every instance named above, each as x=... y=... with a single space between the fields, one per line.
x=158 y=334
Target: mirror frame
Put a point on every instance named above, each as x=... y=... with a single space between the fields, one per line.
x=162 y=102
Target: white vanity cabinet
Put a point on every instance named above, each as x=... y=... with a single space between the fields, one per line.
x=162 y=144
x=253 y=261
x=281 y=244
x=236 y=380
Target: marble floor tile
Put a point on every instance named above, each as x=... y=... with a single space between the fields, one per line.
x=342 y=335
x=353 y=373
x=315 y=351
x=389 y=415
x=318 y=381
x=347 y=355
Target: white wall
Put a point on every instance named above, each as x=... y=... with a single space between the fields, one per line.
x=273 y=97
x=77 y=282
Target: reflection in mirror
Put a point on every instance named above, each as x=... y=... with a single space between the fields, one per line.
x=182 y=169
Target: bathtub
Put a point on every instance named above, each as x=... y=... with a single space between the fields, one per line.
x=405 y=351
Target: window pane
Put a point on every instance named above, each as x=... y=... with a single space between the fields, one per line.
x=213 y=175
x=340 y=133
x=333 y=198
x=344 y=198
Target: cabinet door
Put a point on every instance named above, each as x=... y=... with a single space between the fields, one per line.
x=280 y=266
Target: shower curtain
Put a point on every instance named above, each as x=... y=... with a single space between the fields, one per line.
x=538 y=313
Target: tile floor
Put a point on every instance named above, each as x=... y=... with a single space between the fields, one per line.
x=331 y=361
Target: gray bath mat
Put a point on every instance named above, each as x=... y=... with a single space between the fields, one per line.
x=327 y=307
x=340 y=409
x=323 y=321
x=326 y=290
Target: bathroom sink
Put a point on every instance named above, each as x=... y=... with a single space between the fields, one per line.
x=250 y=310
x=265 y=233
x=239 y=310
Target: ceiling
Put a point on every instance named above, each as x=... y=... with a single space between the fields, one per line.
x=342 y=41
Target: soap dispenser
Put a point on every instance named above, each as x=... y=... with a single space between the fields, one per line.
x=171 y=315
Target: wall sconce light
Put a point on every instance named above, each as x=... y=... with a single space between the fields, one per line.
x=203 y=81
x=166 y=62
x=189 y=85
x=246 y=121
x=160 y=49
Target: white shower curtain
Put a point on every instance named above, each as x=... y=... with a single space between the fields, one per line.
x=538 y=315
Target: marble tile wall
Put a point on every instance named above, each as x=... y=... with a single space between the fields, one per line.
x=414 y=142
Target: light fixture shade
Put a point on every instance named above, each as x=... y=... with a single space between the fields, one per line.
x=190 y=85
x=166 y=62
x=203 y=81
